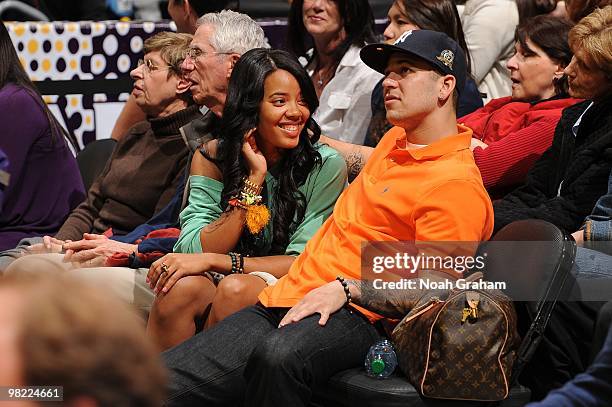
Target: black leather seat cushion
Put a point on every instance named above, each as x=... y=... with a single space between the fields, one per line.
x=353 y=388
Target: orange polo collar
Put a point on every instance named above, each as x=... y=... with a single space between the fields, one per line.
x=457 y=142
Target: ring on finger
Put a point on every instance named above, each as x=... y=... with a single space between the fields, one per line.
x=164 y=267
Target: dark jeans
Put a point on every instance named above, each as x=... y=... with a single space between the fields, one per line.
x=593 y=270
x=246 y=360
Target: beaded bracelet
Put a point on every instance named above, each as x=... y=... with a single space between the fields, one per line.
x=347 y=292
x=237 y=263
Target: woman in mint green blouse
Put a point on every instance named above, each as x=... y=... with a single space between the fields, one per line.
x=268 y=151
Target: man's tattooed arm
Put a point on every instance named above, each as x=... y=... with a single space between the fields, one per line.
x=354 y=164
x=355 y=155
x=388 y=303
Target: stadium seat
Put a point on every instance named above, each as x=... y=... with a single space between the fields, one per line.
x=92 y=159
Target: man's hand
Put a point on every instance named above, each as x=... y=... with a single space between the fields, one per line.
x=165 y=272
x=89 y=241
x=93 y=250
x=324 y=300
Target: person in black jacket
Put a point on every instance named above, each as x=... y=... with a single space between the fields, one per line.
x=572 y=174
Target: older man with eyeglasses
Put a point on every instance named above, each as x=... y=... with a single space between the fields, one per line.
x=185 y=14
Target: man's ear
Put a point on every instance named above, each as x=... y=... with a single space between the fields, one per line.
x=448 y=84
x=187 y=7
x=559 y=72
x=233 y=58
x=182 y=85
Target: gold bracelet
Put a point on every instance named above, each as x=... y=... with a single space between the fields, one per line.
x=251 y=188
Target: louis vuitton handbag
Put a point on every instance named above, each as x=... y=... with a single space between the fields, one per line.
x=462 y=347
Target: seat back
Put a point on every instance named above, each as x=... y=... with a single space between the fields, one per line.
x=534 y=258
x=92 y=159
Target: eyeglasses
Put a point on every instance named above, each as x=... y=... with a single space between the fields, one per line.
x=149 y=66
x=195 y=52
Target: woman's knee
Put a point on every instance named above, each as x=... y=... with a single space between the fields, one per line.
x=233 y=288
x=186 y=294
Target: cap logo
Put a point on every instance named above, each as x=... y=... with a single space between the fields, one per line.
x=403 y=37
x=447 y=58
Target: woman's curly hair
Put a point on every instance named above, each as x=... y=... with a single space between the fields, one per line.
x=240 y=114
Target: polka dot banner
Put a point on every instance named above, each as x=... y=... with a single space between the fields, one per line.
x=136 y=44
x=123 y=63
x=98 y=63
x=85 y=50
x=110 y=45
x=82 y=51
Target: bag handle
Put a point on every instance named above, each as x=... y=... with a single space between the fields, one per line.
x=546 y=305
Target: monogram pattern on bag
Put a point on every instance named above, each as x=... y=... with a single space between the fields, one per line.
x=449 y=360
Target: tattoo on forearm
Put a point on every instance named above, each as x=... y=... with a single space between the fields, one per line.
x=388 y=303
x=216 y=224
x=356 y=284
x=354 y=164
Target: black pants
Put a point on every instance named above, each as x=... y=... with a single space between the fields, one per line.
x=247 y=360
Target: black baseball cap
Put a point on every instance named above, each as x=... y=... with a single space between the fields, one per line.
x=435 y=48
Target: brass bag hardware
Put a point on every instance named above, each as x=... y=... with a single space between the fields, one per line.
x=471 y=311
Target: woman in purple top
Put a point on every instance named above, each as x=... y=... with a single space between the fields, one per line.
x=45 y=183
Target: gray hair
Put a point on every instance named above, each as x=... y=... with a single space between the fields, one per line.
x=234 y=32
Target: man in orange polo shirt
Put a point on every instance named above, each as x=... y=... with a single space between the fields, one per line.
x=420 y=184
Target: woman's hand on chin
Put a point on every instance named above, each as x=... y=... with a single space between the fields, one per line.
x=254 y=157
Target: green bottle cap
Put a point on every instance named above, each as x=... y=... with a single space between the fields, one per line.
x=378 y=365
